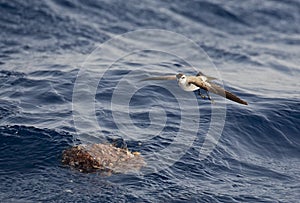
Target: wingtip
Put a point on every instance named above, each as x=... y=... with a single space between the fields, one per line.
x=145 y=79
x=245 y=103
x=240 y=101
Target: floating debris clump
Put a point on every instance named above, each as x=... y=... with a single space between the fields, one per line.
x=104 y=158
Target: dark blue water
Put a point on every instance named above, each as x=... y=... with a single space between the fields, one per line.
x=255 y=47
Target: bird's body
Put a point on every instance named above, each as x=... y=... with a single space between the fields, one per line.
x=198 y=82
x=187 y=87
x=186 y=82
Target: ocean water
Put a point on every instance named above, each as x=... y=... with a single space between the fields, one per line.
x=70 y=73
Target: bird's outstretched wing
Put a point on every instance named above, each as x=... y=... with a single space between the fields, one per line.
x=216 y=89
x=209 y=78
x=166 y=77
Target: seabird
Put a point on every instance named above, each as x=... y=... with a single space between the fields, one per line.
x=198 y=82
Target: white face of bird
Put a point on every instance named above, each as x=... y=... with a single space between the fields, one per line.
x=181 y=78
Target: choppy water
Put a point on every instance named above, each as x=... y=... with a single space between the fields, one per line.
x=255 y=47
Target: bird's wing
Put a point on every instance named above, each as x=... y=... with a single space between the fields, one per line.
x=209 y=78
x=166 y=77
x=216 y=89
x=224 y=93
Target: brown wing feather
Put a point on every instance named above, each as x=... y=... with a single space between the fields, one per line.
x=216 y=89
x=167 y=77
x=224 y=93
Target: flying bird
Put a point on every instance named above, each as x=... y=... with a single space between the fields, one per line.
x=198 y=83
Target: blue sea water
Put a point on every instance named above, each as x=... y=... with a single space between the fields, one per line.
x=255 y=46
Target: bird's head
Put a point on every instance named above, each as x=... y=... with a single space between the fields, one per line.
x=181 y=78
